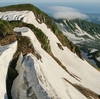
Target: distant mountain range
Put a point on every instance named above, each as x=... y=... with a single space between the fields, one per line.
x=93 y=18
x=85 y=34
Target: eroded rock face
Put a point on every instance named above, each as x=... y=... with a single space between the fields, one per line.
x=26 y=85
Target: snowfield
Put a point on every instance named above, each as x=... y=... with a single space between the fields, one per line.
x=45 y=78
x=54 y=74
x=80 y=32
x=6 y=54
x=88 y=42
x=77 y=36
x=49 y=73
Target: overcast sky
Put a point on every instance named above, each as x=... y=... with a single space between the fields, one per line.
x=49 y=1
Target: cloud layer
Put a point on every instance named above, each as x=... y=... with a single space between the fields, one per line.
x=61 y=12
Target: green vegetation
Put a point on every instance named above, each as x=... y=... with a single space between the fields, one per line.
x=12 y=74
x=68 y=24
x=95 y=55
x=78 y=52
x=65 y=42
x=24 y=40
x=97 y=68
x=98 y=54
x=43 y=18
x=43 y=39
x=7 y=34
x=5 y=29
x=89 y=27
x=60 y=46
x=71 y=25
x=24 y=44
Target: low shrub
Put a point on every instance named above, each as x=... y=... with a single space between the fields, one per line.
x=5 y=28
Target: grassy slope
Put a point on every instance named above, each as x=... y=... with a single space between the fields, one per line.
x=46 y=19
x=89 y=27
x=7 y=35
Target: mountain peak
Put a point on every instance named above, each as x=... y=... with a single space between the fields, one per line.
x=46 y=64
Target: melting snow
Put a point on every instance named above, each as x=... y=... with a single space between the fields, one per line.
x=23 y=29
x=47 y=73
x=54 y=74
x=98 y=58
x=92 y=50
x=6 y=54
x=50 y=74
x=82 y=33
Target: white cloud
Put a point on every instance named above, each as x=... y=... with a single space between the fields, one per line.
x=61 y=12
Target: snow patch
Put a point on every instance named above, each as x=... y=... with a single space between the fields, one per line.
x=72 y=62
x=6 y=54
x=92 y=50
x=73 y=37
x=14 y=15
x=50 y=71
x=98 y=58
x=97 y=36
x=22 y=29
x=82 y=33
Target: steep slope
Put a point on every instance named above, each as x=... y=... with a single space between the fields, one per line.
x=41 y=17
x=85 y=34
x=6 y=54
x=47 y=69
x=47 y=66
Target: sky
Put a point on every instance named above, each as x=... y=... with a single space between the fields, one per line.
x=80 y=8
x=50 y=1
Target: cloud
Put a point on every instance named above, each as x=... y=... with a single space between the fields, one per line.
x=61 y=12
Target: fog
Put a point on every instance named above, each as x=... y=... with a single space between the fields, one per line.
x=61 y=12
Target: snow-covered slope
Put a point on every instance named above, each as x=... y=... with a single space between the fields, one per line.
x=76 y=34
x=84 y=34
x=54 y=74
x=44 y=78
x=6 y=54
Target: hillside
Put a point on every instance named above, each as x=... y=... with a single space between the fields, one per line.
x=94 y=17
x=39 y=61
x=84 y=34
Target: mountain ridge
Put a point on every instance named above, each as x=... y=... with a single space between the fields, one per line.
x=43 y=65
x=49 y=22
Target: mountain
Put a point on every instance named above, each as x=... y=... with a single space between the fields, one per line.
x=84 y=34
x=93 y=17
x=38 y=61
